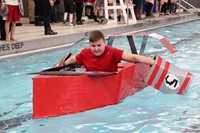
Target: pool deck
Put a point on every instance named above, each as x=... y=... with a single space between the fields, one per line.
x=32 y=39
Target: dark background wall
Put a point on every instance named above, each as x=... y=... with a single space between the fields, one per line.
x=195 y=3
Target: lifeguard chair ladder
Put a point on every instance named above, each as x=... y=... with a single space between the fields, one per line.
x=123 y=7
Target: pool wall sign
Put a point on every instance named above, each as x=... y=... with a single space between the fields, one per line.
x=11 y=46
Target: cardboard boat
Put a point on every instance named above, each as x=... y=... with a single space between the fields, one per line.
x=55 y=95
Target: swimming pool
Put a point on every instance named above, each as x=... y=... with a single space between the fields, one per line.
x=146 y=111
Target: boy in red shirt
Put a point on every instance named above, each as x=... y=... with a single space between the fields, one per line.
x=100 y=57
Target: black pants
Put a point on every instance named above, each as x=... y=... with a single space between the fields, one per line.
x=2 y=29
x=2 y=25
x=149 y=8
x=38 y=8
x=79 y=11
x=47 y=14
x=164 y=8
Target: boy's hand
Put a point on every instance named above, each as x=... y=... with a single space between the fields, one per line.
x=71 y=60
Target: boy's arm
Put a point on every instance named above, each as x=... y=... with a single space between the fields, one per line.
x=71 y=60
x=137 y=58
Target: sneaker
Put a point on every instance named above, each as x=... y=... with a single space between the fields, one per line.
x=64 y=23
x=161 y=14
x=79 y=23
x=103 y=21
x=70 y=24
x=167 y=13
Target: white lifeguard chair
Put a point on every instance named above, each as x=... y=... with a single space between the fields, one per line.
x=123 y=7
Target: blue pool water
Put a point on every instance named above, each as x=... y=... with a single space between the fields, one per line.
x=148 y=111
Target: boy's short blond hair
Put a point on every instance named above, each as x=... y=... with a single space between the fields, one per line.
x=96 y=35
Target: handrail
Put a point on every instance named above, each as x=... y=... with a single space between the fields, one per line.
x=179 y=3
x=185 y=8
x=191 y=5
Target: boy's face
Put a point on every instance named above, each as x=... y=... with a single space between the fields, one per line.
x=98 y=47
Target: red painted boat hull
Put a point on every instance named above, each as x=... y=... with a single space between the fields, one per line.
x=60 y=95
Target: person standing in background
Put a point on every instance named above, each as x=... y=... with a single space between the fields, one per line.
x=54 y=18
x=171 y=6
x=2 y=28
x=79 y=11
x=31 y=11
x=149 y=7
x=99 y=10
x=47 y=6
x=119 y=11
x=38 y=13
x=174 y=7
x=158 y=6
x=186 y=6
x=164 y=7
x=89 y=8
x=70 y=9
x=138 y=8
x=12 y=17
